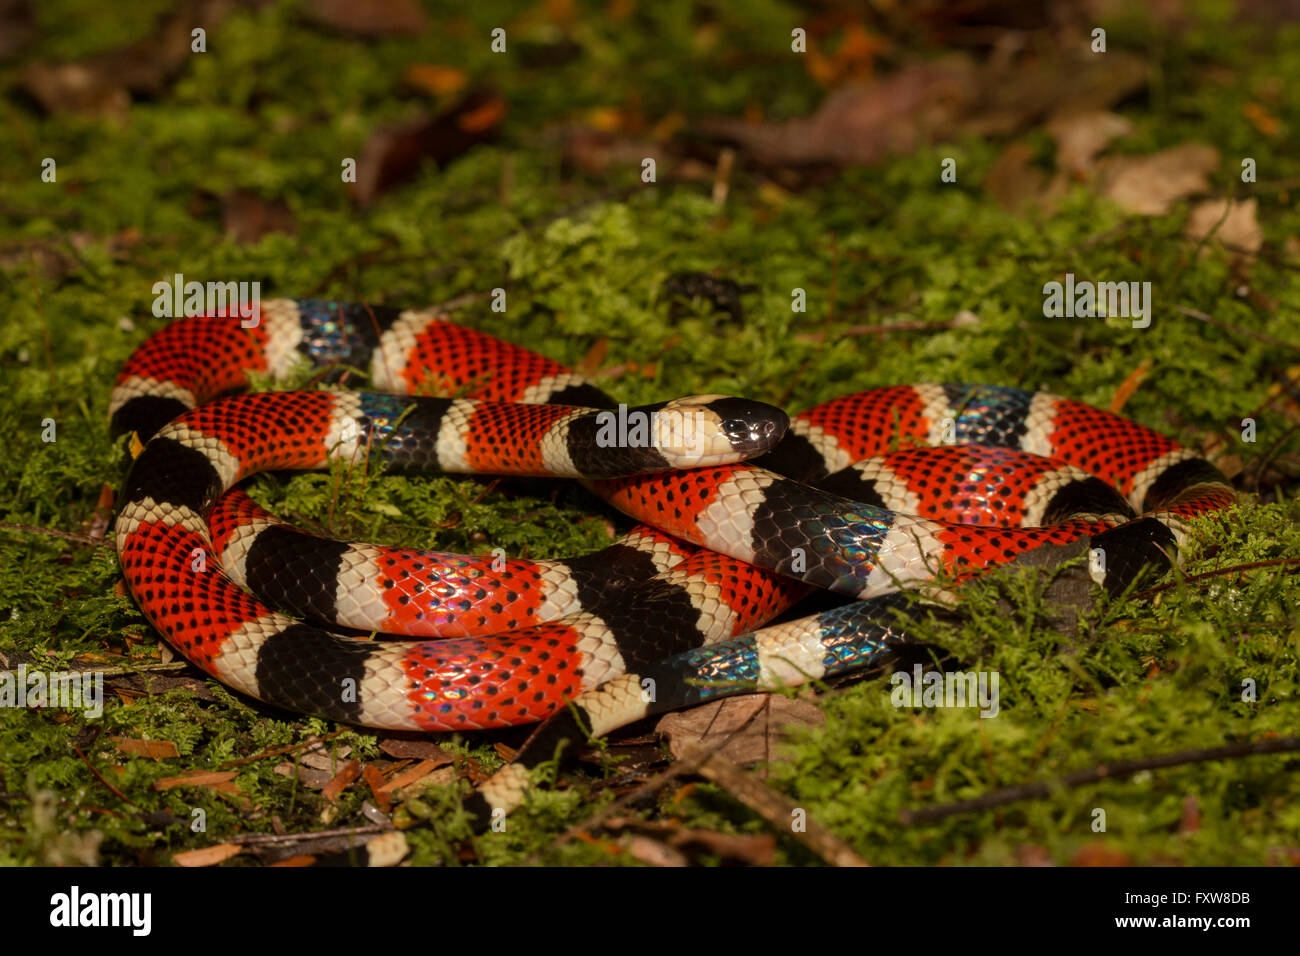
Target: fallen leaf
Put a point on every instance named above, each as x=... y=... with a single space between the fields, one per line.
x=435 y=79
x=394 y=156
x=1231 y=223
x=208 y=856
x=158 y=749
x=350 y=773
x=320 y=756
x=102 y=84
x=652 y=852
x=592 y=151
x=414 y=775
x=1030 y=854
x=1012 y=180
x=1261 y=119
x=755 y=849
x=309 y=777
x=1100 y=854
x=932 y=101
x=403 y=749
x=247 y=217
x=373 y=18
x=1150 y=185
x=199 y=778
x=1081 y=137
x=862 y=123
x=751 y=725
x=375 y=781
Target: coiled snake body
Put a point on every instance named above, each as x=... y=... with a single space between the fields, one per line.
x=855 y=498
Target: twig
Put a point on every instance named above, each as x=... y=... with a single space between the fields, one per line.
x=120 y=671
x=100 y=777
x=55 y=533
x=1121 y=768
x=278 y=751
x=777 y=810
x=257 y=839
x=650 y=786
x=1212 y=574
x=1258 y=336
x=754 y=794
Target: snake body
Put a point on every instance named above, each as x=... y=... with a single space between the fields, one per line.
x=735 y=528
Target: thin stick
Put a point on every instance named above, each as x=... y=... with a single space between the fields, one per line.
x=777 y=810
x=100 y=777
x=255 y=839
x=1258 y=336
x=55 y=533
x=1121 y=768
x=1275 y=562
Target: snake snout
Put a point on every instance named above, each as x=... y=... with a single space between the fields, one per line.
x=758 y=428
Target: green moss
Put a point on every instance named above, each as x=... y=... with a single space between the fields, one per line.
x=274 y=106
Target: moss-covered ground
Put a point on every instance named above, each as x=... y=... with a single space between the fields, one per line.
x=271 y=109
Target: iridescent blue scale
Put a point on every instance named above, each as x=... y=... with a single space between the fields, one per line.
x=989 y=414
x=341 y=333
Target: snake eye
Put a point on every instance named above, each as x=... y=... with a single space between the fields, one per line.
x=737 y=429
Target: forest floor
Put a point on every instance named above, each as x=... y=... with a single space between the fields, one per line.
x=934 y=176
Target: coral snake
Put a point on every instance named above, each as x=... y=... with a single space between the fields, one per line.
x=742 y=513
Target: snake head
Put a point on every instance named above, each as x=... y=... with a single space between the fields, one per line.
x=703 y=430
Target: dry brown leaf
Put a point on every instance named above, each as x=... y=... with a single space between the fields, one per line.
x=217 y=779
x=1231 y=223
x=158 y=749
x=862 y=123
x=1081 y=137
x=394 y=156
x=751 y=725
x=101 y=84
x=309 y=777
x=434 y=78
x=208 y=856
x=1012 y=180
x=1031 y=854
x=247 y=217
x=350 y=773
x=375 y=781
x=1261 y=119
x=1098 y=853
x=652 y=852
x=422 y=770
x=320 y=756
x=403 y=749
x=1150 y=185
x=926 y=102
x=373 y=18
